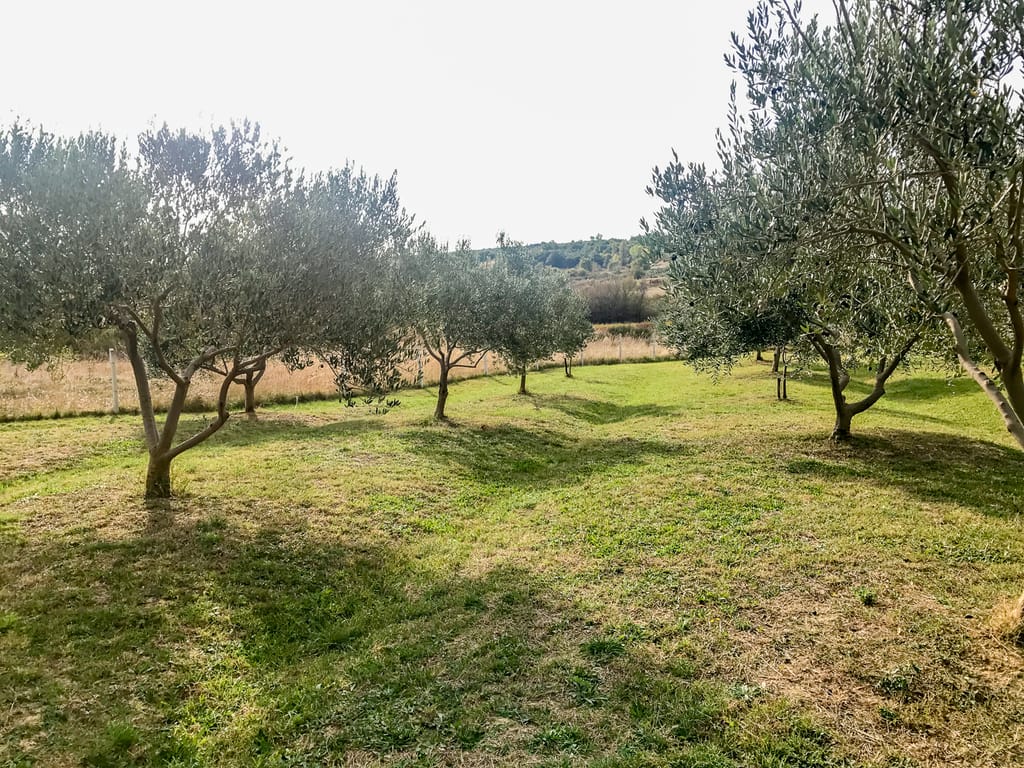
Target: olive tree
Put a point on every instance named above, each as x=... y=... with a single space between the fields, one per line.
x=201 y=252
x=539 y=315
x=454 y=305
x=361 y=321
x=570 y=327
x=899 y=128
x=737 y=283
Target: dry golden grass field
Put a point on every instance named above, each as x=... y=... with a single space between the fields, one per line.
x=84 y=386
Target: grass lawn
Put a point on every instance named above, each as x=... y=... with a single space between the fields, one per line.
x=635 y=567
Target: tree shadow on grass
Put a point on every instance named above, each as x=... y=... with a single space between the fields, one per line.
x=514 y=456
x=205 y=640
x=916 y=388
x=240 y=431
x=886 y=406
x=201 y=637
x=602 y=411
x=901 y=388
x=935 y=467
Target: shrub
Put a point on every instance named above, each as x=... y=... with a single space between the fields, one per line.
x=616 y=300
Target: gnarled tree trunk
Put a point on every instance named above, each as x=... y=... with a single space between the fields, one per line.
x=522 y=381
x=249 y=380
x=839 y=379
x=442 y=391
x=164 y=451
x=160 y=439
x=158 y=477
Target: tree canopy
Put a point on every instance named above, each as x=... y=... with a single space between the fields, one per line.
x=881 y=155
x=205 y=251
x=541 y=313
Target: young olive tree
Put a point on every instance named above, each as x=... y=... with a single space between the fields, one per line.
x=539 y=315
x=182 y=250
x=737 y=283
x=451 y=298
x=900 y=128
x=571 y=328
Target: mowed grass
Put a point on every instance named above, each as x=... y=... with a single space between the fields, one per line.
x=634 y=567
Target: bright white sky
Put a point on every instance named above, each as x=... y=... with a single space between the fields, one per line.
x=542 y=119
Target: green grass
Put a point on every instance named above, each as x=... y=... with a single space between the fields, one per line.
x=635 y=567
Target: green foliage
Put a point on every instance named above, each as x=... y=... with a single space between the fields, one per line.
x=737 y=285
x=541 y=315
x=562 y=738
x=359 y=325
x=453 y=297
x=452 y=301
x=603 y=648
x=902 y=683
x=891 y=139
x=867 y=596
x=206 y=251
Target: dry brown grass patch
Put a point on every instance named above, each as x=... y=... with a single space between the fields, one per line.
x=1008 y=621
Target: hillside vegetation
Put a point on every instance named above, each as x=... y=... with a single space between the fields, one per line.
x=617 y=277
x=635 y=567
x=585 y=256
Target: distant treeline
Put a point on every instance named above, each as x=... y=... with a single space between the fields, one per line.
x=596 y=253
x=607 y=272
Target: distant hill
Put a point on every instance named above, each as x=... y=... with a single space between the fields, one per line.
x=586 y=256
x=615 y=275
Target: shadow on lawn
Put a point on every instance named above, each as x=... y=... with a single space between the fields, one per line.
x=905 y=388
x=203 y=640
x=933 y=466
x=240 y=431
x=515 y=456
x=601 y=411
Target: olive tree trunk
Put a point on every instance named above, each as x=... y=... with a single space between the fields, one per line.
x=164 y=451
x=839 y=379
x=160 y=438
x=442 y=391
x=1007 y=356
x=522 y=381
x=448 y=355
x=158 y=477
x=1007 y=410
x=249 y=380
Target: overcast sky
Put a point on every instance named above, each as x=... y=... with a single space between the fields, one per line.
x=542 y=119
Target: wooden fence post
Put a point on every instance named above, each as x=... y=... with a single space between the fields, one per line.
x=114 y=405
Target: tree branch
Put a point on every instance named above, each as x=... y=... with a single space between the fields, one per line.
x=131 y=337
x=457 y=362
x=1010 y=419
x=212 y=427
x=154 y=342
